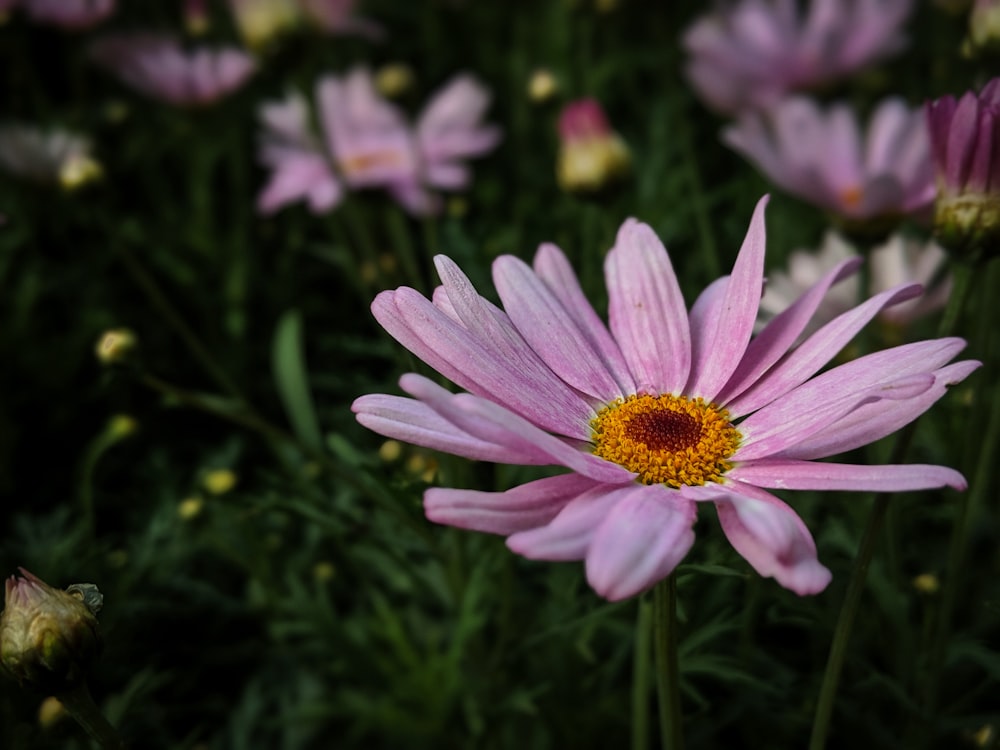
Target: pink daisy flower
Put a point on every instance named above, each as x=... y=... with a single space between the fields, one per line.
x=751 y=54
x=160 y=67
x=665 y=410
x=823 y=158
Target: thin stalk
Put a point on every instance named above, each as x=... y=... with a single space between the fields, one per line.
x=175 y=321
x=641 y=660
x=668 y=688
x=81 y=707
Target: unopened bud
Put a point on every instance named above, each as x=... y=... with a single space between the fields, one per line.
x=196 y=20
x=592 y=156
x=542 y=86
x=926 y=583
x=48 y=638
x=219 y=481
x=78 y=170
x=190 y=508
x=115 y=346
x=121 y=426
x=50 y=711
x=393 y=80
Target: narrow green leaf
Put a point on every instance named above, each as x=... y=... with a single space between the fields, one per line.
x=291 y=377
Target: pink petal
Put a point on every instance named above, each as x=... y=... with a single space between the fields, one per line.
x=646 y=310
x=569 y=534
x=720 y=339
x=790 y=474
x=525 y=507
x=554 y=269
x=642 y=539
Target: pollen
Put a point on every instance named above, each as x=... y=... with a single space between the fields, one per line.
x=666 y=439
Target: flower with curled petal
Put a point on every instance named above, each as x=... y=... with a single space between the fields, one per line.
x=666 y=410
x=750 y=55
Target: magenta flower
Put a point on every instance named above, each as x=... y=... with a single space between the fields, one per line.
x=591 y=154
x=300 y=169
x=750 y=55
x=160 y=67
x=663 y=411
x=965 y=138
x=73 y=15
x=823 y=158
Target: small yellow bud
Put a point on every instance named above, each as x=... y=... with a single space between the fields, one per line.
x=48 y=638
x=984 y=736
x=121 y=426
x=50 y=711
x=219 y=481
x=78 y=170
x=324 y=571
x=190 y=508
x=368 y=272
x=926 y=583
x=390 y=451
x=542 y=86
x=592 y=156
x=115 y=346
x=393 y=80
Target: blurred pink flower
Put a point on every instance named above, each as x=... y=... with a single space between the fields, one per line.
x=822 y=157
x=261 y=21
x=750 y=55
x=69 y=14
x=55 y=157
x=159 y=67
x=295 y=154
x=667 y=410
x=366 y=142
x=965 y=139
x=591 y=154
x=898 y=261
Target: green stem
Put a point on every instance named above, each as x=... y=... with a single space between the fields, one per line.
x=81 y=706
x=667 y=672
x=640 y=676
x=173 y=318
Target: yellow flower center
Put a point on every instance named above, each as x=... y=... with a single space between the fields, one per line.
x=666 y=439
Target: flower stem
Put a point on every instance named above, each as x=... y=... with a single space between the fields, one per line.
x=641 y=660
x=667 y=672
x=81 y=707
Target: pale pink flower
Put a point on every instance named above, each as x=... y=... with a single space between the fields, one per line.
x=295 y=154
x=160 y=67
x=899 y=260
x=665 y=410
x=749 y=55
x=73 y=15
x=55 y=157
x=822 y=157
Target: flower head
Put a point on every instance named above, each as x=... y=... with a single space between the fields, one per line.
x=48 y=637
x=965 y=138
x=261 y=21
x=751 y=54
x=898 y=261
x=822 y=157
x=591 y=154
x=159 y=67
x=666 y=409
x=73 y=15
x=55 y=157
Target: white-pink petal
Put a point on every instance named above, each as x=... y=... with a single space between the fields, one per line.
x=569 y=534
x=791 y=474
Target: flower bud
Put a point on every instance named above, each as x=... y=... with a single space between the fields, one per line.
x=219 y=481
x=115 y=346
x=48 y=638
x=78 y=170
x=394 y=80
x=591 y=155
x=542 y=86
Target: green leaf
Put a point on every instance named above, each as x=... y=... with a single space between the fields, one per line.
x=289 y=365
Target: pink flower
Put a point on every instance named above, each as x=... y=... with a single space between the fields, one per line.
x=300 y=167
x=69 y=14
x=665 y=410
x=965 y=139
x=750 y=55
x=591 y=154
x=898 y=261
x=159 y=67
x=260 y=21
x=822 y=157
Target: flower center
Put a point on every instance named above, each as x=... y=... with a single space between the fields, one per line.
x=666 y=439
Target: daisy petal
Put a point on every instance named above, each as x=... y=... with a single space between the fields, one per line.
x=816 y=351
x=791 y=474
x=415 y=422
x=643 y=538
x=770 y=536
x=720 y=340
x=569 y=535
x=647 y=312
x=527 y=506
